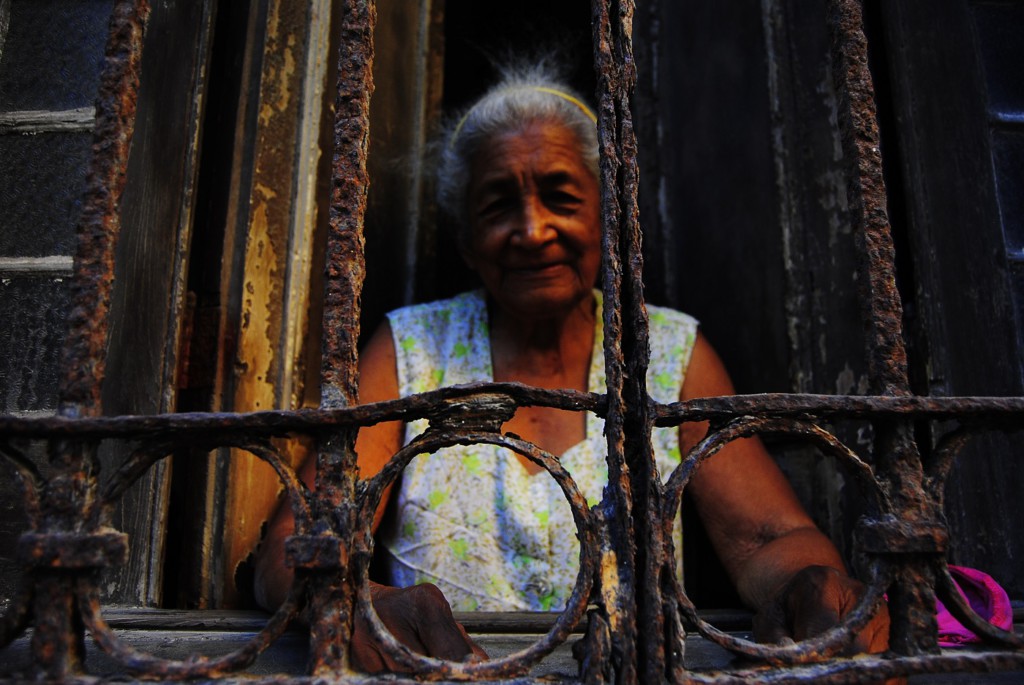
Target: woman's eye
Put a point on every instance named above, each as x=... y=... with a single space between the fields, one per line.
x=560 y=199
x=496 y=206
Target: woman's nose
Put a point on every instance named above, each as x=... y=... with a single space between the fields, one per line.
x=534 y=227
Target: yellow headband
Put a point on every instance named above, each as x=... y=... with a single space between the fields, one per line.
x=540 y=89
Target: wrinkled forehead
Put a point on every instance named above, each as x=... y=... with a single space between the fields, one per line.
x=539 y=148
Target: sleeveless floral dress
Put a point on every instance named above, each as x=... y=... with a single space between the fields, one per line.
x=471 y=519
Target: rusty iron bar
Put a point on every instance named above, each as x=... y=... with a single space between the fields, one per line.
x=912 y=597
x=881 y=307
x=346 y=264
x=966 y=409
x=615 y=80
x=67 y=499
x=84 y=352
x=648 y=553
x=865 y=668
x=332 y=591
x=279 y=422
x=1004 y=413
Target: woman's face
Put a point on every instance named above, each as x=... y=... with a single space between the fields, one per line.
x=535 y=235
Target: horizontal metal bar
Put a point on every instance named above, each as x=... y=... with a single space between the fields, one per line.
x=301 y=420
x=841 y=406
x=999 y=409
x=31 y=121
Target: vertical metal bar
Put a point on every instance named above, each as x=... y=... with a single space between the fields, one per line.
x=346 y=264
x=620 y=602
x=70 y=494
x=883 y=310
x=82 y=361
x=639 y=548
x=332 y=601
x=58 y=647
x=912 y=597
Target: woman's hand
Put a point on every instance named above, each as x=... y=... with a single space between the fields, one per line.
x=814 y=600
x=420 y=618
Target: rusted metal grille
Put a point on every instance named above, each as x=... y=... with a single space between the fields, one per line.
x=626 y=572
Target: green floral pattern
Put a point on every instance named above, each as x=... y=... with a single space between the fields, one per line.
x=470 y=518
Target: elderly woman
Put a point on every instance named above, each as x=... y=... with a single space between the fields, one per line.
x=519 y=175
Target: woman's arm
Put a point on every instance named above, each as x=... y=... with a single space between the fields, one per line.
x=760 y=531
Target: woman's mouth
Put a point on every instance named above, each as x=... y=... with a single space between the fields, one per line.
x=540 y=271
x=539 y=267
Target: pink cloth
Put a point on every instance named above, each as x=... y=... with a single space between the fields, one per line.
x=985 y=596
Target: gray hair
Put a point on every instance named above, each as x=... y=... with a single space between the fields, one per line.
x=522 y=97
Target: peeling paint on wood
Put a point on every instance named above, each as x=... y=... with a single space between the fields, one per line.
x=277 y=258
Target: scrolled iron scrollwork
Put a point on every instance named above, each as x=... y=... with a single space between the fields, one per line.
x=86 y=591
x=196 y=666
x=518 y=663
x=842 y=635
